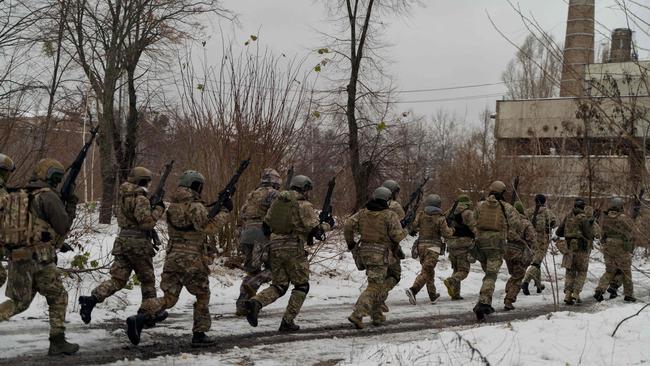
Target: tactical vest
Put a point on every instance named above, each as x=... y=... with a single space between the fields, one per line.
x=257 y=203
x=460 y=229
x=614 y=227
x=573 y=227
x=125 y=214
x=373 y=227
x=180 y=223
x=20 y=224
x=491 y=216
x=282 y=214
x=430 y=228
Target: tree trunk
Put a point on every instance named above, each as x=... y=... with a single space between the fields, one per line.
x=131 y=138
x=107 y=156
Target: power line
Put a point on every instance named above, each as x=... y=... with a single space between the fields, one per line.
x=467 y=97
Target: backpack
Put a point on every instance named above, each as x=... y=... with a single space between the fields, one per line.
x=491 y=216
x=16 y=219
x=280 y=217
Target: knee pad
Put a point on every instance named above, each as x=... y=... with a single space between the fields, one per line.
x=282 y=289
x=302 y=288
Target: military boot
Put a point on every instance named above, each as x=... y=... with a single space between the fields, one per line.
x=378 y=319
x=383 y=307
x=356 y=321
x=87 y=305
x=410 y=293
x=253 y=308
x=481 y=310
x=524 y=288
x=540 y=287
x=629 y=298
x=577 y=298
x=453 y=288
x=134 y=325
x=434 y=298
x=59 y=346
x=613 y=292
x=200 y=339
x=151 y=322
x=507 y=305
x=598 y=295
x=287 y=327
x=568 y=299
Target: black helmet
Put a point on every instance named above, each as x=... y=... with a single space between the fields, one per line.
x=579 y=203
x=540 y=199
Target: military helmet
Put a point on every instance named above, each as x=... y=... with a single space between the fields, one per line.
x=392 y=185
x=579 y=203
x=520 y=207
x=192 y=179
x=540 y=199
x=616 y=204
x=497 y=187
x=49 y=170
x=302 y=183
x=433 y=200
x=6 y=163
x=139 y=174
x=463 y=198
x=382 y=194
x=271 y=177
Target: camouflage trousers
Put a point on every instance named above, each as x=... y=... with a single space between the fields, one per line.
x=394 y=275
x=517 y=258
x=428 y=259
x=289 y=265
x=123 y=266
x=460 y=266
x=26 y=278
x=618 y=261
x=254 y=279
x=576 y=263
x=189 y=270
x=490 y=253
x=539 y=253
x=377 y=260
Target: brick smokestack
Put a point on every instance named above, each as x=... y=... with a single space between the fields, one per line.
x=578 y=46
x=621 y=50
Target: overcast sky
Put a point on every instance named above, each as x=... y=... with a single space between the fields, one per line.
x=445 y=43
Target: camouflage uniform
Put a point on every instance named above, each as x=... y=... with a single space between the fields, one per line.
x=579 y=233
x=380 y=231
x=188 y=257
x=252 y=214
x=133 y=250
x=432 y=226
x=32 y=268
x=617 y=249
x=287 y=255
x=395 y=266
x=517 y=257
x=464 y=227
x=545 y=222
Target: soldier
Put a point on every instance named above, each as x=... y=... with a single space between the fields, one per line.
x=544 y=221
x=6 y=167
x=495 y=223
x=578 y=230
x=188 y=257
x=133 y=249
x=432 y=226
x=464 y=227
x=380 y=230
x=518 y=256
x=395 y=266
x=618 y=246
x=252 y=214
x=32 y=249
x=293 y=222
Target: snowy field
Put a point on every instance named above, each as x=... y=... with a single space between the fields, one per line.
x=571 y=336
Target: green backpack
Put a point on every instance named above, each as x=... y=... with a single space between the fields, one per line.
x=280 y=217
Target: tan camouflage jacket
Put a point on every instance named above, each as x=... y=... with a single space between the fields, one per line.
x=397 y=208
x=617 y=225
x=545 y=222
x=187 y=217
x=305 y=219
x=526 y=232
x=508 y=229
x=257 y=204
x=375 y=227
x=432 y=227
x=134 y=208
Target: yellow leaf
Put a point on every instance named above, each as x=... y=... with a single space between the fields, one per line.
x=317 y=68
x=254 y=37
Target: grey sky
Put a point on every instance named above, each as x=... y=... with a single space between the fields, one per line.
x=446 y=43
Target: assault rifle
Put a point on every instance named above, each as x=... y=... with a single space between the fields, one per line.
x=287 y=183
x=156 y=199
x=636 y=207
x=227 y=192
x=67 y=189
x=450 y=215
x=326 y=213
x=412 y=205
x=515 y=189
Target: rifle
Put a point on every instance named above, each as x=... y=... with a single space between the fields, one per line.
x=450 y=215
x=412 y=205
x=636 y=207
x=67 y=189
x=515 y=189
x=287 y=183
x=156 y=199
x=225 y=194
x=326 y=213
x=534 y=219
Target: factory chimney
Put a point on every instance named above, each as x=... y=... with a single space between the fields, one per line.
x=621 y=49
x=578 y=46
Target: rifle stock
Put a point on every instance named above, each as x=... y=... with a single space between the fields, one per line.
x=450 y=214
x=67 y=189
x=157 y=198
x=228 y=191
x=412 y=205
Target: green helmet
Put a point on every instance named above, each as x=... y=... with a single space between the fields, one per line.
x=192 y=179
x=433 y=200
x=139 y=175
x=392 y=185
x=302 y=183
x=271 y=177
x=6 y=163
x=463 y=198
x=520 y=207
x=382 y=194
x=49 y=170
x=497 y=187
x=616 y=204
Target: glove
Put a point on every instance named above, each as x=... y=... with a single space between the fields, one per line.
x=65 y=248
x=351 y=244
x=228 y=204
x=330 y=221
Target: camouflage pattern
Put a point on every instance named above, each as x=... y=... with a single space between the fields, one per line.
x=618 y=231
x=395 y=265
x=458 y=245
x=380 y=231
x=546 y=221
x=496 y=221
x=579 y=234
x=397 y=208
x=432 y=226
x=517 y=257
x=133 y=250
x=188 y=256
x=287 y=257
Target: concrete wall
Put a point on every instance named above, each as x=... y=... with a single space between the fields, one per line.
x=627 y=76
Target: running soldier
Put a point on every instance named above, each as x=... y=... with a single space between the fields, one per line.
x=432 y=226
x=464 y=226
x=518 y=255
x=544 y=221
x=395 y=266
x=6 y=167
x=380 y=231
x=32 y=249
x=252 y=215
x=133 y=249
x=293 y=222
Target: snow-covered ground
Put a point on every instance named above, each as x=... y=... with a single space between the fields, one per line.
x=561 y=338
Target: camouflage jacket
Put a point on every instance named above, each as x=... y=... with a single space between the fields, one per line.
x=257 y=204
x=463 y=221
x=432 y=226
x=53 y=217
x=496 y=218
x=134 y=208
x=617 y=225
x=397 y=208
x=376 y=225
x=545 y=221
x=526 y=232
x=576 y=225
x=304 y=218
